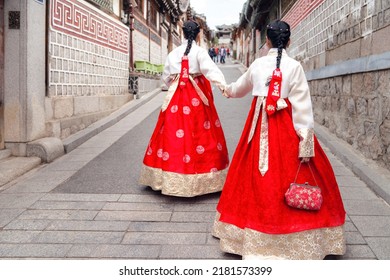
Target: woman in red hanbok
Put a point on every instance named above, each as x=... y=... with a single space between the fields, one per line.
x=187 y=154
x=253 y=219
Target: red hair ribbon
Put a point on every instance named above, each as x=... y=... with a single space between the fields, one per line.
x=184 y=71
x=274 y=91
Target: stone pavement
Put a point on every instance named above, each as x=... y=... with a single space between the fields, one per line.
x=87 y=204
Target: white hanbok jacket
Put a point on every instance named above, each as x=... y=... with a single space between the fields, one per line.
x=199 y=63
x=294 y=88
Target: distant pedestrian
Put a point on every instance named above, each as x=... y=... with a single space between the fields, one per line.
x=253 y=219
x=187 y=154
x=212 y=53
x=216 y=57
x=222 y=53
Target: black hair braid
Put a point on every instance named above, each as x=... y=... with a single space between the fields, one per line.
x=191 y=30
x=279 y=33
x=189 y=45
x=280 y=51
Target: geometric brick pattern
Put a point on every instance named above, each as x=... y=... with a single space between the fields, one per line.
x=77 y=19
x=300 y=10
x=89 y=51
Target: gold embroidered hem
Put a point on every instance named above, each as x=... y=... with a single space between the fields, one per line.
x=306 y=144
x=184 y=185
x=305 y=245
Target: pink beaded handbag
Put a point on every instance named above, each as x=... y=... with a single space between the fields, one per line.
x=304 y=196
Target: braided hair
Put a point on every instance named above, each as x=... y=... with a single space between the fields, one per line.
x=278 y=32
x=191 y=29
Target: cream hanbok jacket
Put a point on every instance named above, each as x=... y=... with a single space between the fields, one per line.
x=199 y=63
x=294 y=88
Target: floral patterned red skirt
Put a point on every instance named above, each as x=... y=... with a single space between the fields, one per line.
x=187 y=153
x=250 y=200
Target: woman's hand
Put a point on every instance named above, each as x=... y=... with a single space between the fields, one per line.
x=224 y=93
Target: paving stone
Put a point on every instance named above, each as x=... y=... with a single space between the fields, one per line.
x=86 y=237
x=66 y=165
x=366 y=207
x=8 y=215
x=372 y=225
x=58 y=214
x=18 y=236
x=18 y=200
x=32 y=187
x=81 y=197
x=334 y=161
x=68 y=205
x=193 y=217
x=14 y=167
x=127 y=251
x=168 y=227
x=349 y=226
x=124 y=206
x=194 y=252
x=341 y=170
x=97 y=142
x=195 y=207
x=40 y=182
x=212 y=198
x=48 y=175
x=83 y=158
x=211 y=240
x=350 y=181
x=134 y=216
x=82 y=250
x=28 y=224
x=34 y=250
x=355 y=238
x=156 y=238
x=357 y=194
x=355 y=252
x=84 y=150
x=158 y=198
x=88 y=225
x=380 y=246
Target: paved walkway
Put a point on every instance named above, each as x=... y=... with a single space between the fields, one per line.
x=87 y=203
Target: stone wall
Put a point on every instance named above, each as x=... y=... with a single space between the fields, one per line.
x=88 y=66
x=140 y=41
x=336 y=31
x=341 y=45
x=356 y=108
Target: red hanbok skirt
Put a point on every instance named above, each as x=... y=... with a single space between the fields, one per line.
x=254 y=203
x=187 y=154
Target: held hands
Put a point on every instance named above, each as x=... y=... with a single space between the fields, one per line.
x=224 y=91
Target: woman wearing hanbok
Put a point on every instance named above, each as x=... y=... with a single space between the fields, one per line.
x=187 y=154
x=253 y=219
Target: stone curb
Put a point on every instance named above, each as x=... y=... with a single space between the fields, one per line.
x=48 y=149
x=376 y=177
x=75 y=140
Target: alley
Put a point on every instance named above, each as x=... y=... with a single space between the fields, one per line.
x=88 y=204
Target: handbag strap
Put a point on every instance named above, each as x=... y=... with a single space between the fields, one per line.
x=311 y=171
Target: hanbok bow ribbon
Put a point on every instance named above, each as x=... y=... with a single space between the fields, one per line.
x=184 y=74
x=274 y=90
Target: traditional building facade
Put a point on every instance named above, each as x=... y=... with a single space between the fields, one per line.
x=341 y=46
x=64 y=64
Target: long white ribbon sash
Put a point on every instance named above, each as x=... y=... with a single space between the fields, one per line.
x=172 y=90
x=263 y=149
